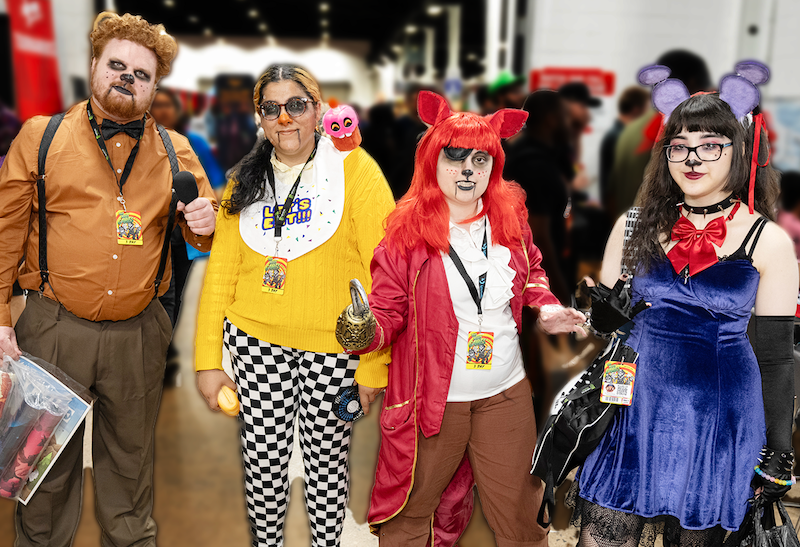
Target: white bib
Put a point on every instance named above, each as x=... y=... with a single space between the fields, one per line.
x=315 y=213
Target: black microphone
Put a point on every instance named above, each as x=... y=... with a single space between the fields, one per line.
x=185 y=187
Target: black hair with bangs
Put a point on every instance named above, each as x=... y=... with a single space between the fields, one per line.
x=659 y=195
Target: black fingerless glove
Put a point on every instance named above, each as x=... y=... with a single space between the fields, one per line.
x=611 y=308
x=773 y=474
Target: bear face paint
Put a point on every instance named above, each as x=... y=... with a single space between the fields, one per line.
x=123 y=80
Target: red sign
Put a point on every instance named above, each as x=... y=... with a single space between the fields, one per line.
x=598 y=81
x=36 y=79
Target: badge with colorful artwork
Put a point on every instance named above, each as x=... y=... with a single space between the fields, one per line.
x=274 y=279
x=479 y=350
x=618 y=378
x=129 y=228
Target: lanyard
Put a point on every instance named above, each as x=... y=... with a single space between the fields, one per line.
x=101 y=142
x=279 y=217
x=476 y=296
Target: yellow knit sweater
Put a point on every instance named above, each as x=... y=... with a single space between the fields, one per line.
x=317 y=286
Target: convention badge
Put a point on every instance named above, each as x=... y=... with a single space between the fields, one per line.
x=618 y=378
x=129 y=228
x=274 y=279
x=479 y=350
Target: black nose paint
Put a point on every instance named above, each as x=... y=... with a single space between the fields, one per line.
x=127 y=78
x=467 y=172
x=693 y=163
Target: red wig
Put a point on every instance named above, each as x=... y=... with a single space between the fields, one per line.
x=422 y=216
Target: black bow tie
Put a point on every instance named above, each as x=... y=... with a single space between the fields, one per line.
x=110 y=128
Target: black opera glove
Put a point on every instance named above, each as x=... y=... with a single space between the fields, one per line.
x=773 y=474
x=356 y=325
x=611 y=308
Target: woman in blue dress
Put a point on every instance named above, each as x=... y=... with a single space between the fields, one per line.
x=709 y=404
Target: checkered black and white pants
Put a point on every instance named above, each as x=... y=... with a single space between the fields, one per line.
x=275 y=383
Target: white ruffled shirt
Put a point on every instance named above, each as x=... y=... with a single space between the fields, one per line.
x=507 y=366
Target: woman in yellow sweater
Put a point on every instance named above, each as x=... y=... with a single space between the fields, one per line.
x=276 y=281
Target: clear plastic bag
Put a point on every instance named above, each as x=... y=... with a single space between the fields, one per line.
x=33 y=403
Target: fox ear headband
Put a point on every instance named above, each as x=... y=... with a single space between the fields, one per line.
x=738 y=90
x=433 y=108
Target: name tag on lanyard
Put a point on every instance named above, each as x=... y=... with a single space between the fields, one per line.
x=275 y=268
x=480 y=344
x=129 y=228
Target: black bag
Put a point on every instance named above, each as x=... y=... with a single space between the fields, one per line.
x=574 y=429
x=760 y=530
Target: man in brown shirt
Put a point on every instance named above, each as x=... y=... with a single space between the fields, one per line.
x=97 y=317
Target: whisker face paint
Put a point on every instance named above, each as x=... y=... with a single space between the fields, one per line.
x=463 y=174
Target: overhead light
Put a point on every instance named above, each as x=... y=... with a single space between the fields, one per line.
x=324 y=22
x=262 y=27
x=471 y=56
x=253 y=13
x=326 y=35
x=193 y=19
x=169 y=3
x=397 y=48
x=208 y=32
x=434 y=10
x=411 y=29
x=324 y=6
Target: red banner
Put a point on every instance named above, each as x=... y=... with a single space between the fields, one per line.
x=598 y=81
x=36 y=78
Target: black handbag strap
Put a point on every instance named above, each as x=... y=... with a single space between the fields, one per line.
x=173 y=203
x=44 y=146
x=548 y=500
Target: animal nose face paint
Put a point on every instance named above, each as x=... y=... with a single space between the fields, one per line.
x=463 y=173
x=128 y=78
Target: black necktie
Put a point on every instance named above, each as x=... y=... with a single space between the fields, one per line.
x=110 y=128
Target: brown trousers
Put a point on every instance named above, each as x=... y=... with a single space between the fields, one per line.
x=122 y=363
x=499 y=434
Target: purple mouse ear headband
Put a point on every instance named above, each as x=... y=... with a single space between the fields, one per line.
x=738 y=90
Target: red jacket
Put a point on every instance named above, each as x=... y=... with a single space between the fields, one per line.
x=411 y=303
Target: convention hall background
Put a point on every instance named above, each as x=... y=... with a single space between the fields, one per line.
x=377 y=56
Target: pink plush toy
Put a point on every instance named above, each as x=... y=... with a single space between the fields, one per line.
x=341 y=123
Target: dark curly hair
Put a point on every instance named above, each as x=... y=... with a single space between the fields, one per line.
x=659 y=194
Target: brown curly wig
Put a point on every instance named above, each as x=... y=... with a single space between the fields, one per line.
x=108 y=26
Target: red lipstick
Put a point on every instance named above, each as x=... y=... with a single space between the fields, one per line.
x=693 y=175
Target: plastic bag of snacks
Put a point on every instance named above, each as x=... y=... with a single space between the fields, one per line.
x=40 y=409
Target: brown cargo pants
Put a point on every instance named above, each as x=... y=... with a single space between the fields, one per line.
x=499 y=434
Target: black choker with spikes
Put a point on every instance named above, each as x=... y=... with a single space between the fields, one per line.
x=711 y=209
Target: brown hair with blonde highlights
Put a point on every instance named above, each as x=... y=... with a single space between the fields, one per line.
x=278 y=72
x=109 y=26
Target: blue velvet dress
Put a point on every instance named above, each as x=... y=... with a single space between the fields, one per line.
x=687 y=445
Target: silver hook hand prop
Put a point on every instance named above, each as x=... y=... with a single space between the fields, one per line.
x=355 y=327
x=611 y=308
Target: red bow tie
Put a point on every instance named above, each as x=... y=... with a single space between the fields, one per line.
x=695 y=247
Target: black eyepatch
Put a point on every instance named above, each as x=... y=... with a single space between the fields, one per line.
x=456 y=154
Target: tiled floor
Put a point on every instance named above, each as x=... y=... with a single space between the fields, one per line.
x=199 y=499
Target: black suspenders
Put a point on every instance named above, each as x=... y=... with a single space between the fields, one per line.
x=47 y=138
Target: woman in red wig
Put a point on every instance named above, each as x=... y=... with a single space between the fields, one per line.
x=450 y=279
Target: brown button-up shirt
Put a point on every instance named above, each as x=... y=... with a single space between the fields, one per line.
x=92 y=275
